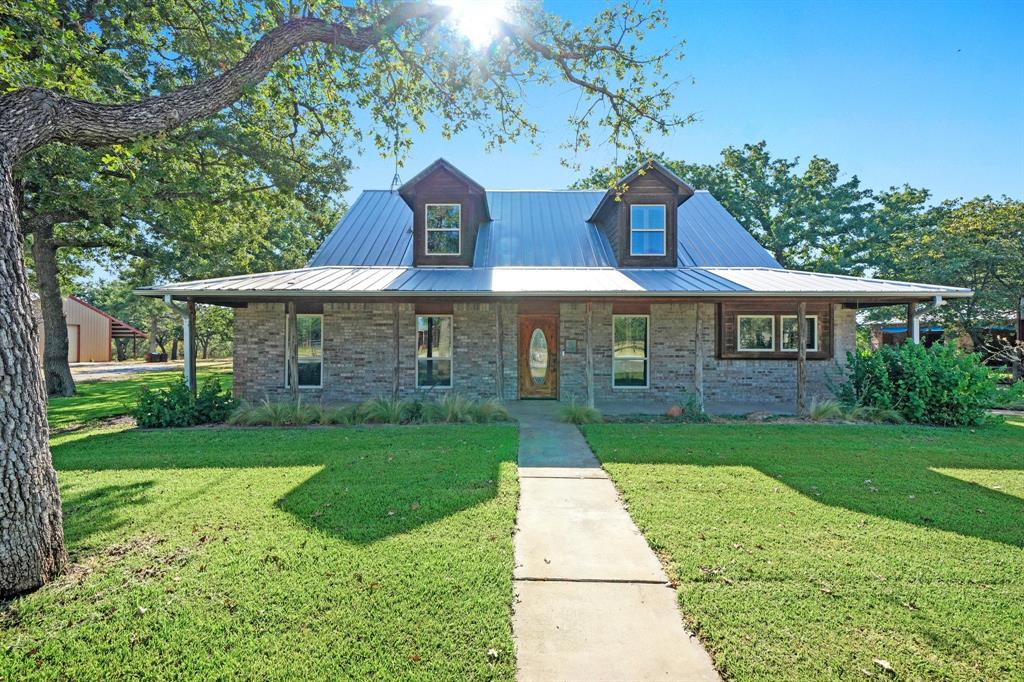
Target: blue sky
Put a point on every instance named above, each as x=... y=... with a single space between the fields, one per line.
x=927 y=93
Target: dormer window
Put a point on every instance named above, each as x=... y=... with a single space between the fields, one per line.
x=444 y=227
x=647 y=230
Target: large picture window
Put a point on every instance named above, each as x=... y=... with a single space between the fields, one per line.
x=444 y=223
x=755 y=332
x=433 y=351
x=311 y=358
x=790 y=329
x=647 y=230
x=629 y=351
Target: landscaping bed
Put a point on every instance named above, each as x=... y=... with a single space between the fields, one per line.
x=277 y=554
x=813 y=552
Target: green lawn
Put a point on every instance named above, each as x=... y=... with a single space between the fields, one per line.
x=103 y=399
x=806 y=551
x=320 y=553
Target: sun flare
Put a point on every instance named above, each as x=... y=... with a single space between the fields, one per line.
x=478 y=20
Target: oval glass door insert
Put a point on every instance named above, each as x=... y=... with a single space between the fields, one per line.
x=538 y=357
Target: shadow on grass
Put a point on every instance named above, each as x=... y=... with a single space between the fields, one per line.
x=373 y=482
x=890 y=472
x=97 y=510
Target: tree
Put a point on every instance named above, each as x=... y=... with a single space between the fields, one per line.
x=126 y=199
x=808 y=219
x=978 y=244
x=396 y=61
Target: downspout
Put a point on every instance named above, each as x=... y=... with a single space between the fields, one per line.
x=915 y=331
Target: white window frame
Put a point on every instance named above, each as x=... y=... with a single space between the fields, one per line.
x=741 y=349
x=782 y=338
x=450 y=358
x=287 y=346
x=646 y=358
x=427 y=230
x=663 y=230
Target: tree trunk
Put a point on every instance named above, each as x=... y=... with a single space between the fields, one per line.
x=154 y=326
x=56 y=369
x=121 y=349
x=174 y=349
x=31 y=528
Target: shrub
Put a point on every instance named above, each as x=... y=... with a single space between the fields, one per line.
x=176 y=406
x=863 y=413
x=938 y=385
x=383 y=410
x=575 y=413
x=490 y=411
x=450 y=409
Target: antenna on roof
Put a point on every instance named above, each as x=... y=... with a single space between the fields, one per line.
x=396 y=181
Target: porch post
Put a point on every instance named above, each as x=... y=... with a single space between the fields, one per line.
x=698 y=357
x=396 y=377
x=292 y=350
x=801 y=359
x=912 y=330
x=189 y=327
x=499 y=361
x=590 y=354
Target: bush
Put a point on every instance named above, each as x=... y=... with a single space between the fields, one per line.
x=938 y=385
x=176 y=406
x=575 y=413
x=825 y=410
x=451 y=408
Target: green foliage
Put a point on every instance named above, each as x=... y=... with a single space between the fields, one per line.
x=1010 y=397
x=578 y=413
x=825 y=410
x=939 y=385
x=176 y=406
x=449 y=409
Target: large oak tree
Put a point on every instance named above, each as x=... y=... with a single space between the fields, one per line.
x=399 y=62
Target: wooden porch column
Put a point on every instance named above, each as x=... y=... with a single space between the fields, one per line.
x=590 y=354
x=911 y=322
x=499 y=361
x=698 y=357
x=292 y=350
x=189 y=327
x=396 y=377
x=801 y=359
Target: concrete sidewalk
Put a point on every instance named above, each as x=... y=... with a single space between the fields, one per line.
x=592 y=601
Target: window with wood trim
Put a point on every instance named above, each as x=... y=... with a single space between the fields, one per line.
x=433 y=351
x=790 y=329
x=755 y=333
x=647 y=230
x=311 y=358
x=630 y=357
x=444 y=229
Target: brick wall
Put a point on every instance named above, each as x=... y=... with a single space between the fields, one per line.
x=359 y=354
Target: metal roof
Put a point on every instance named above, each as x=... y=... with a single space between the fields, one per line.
x=535 y=229
x=409 y=281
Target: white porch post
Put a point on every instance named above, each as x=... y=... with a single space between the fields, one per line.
x=188 y=326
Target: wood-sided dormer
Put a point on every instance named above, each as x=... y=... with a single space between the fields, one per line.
x=448 y=207
x=638 y=216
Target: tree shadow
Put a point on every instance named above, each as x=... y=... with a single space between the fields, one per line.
x=372 y=482
x=99 y=510
x=889 y=472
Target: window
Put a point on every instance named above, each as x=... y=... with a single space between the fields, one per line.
x=647 y=230
x=311 y=359
x=755 y=332
x=629 y=351
x=444 y=222
x=433 y=351
x=790 y=329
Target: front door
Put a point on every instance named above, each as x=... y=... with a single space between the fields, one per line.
x=538 y=356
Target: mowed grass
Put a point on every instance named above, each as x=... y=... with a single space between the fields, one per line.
x=103 y=399
x=321 y=553
x=807 y=551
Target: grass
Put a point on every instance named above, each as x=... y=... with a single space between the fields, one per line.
x=807 y=551
x=103 y=399
x=359 y=553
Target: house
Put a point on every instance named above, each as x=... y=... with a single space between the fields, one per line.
x=639 y=295
x=90 y=331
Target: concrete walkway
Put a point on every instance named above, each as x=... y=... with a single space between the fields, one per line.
x=592 y=601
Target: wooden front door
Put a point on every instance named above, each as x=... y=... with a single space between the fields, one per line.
x=538 y=356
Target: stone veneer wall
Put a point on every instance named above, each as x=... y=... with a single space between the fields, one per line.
x=359 y=355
